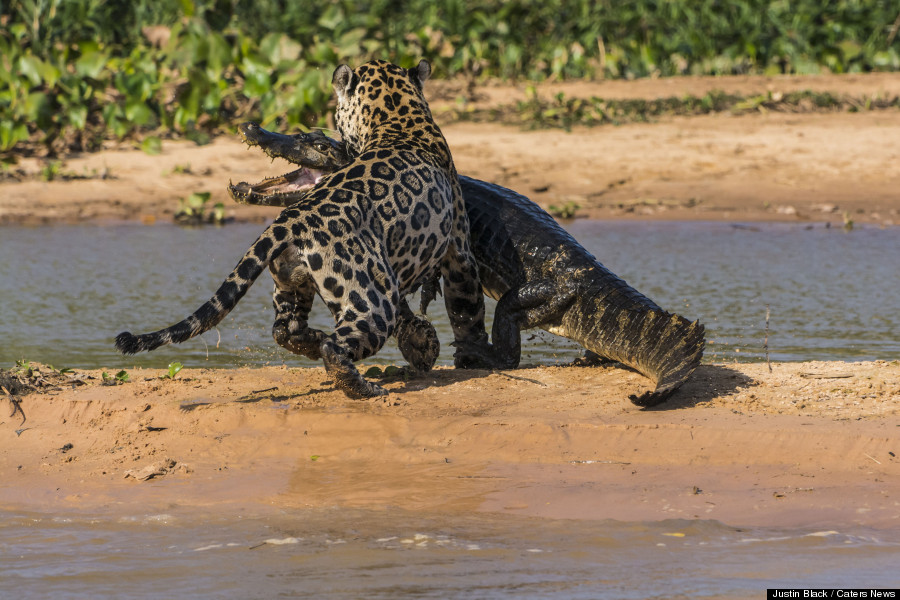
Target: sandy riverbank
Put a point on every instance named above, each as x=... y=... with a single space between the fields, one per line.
x=810 y=444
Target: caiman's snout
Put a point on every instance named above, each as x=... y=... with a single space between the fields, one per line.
x=250 y=133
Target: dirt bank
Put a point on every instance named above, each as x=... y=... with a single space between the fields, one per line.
x=763 y=166
x=810 y=444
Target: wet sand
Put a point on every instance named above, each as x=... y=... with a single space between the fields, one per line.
x=808 y=445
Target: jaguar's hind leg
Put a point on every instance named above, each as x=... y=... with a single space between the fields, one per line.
x=361 y=330
x=290 y=330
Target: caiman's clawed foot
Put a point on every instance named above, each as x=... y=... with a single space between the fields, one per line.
x=592 y=359
x=479 y=356
x=648 y=399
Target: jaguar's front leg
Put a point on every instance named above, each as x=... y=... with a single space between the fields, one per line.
x=417 y=340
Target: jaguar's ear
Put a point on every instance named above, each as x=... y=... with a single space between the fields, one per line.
x=421 y=73
x=344 y=81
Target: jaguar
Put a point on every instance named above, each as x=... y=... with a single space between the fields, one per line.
x=362 y=237
x=539 y=274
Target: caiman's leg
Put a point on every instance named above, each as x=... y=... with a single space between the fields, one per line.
x=465 y=307
x=417 y=340
x=290 y=330
x=531 y=305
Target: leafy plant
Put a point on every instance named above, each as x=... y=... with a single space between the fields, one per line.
x=192 y=211
x=566 y=210
x=75 y=72
x=152 y=145
x=117 y=379
x=174 y=369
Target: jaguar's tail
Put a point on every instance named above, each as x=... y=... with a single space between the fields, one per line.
x=253 y=263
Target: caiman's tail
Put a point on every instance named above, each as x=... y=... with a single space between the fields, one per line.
x=660 y=345
x=670 y=349
x=254 y=262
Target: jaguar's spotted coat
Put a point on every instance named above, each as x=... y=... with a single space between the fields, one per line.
x=363 y=237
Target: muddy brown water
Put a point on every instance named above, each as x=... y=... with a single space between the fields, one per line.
x=68 y=290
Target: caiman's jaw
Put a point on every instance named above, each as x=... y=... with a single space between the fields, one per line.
x=315 y=153
x=276 y=190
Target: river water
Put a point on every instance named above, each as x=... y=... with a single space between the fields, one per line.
x=68 y=290
x=331 y=553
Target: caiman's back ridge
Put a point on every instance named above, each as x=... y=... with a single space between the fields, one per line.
x=541 y=277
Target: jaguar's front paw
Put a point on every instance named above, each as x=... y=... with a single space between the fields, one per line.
x=419 y=343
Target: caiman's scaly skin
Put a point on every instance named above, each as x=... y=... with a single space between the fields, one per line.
x=540 y=275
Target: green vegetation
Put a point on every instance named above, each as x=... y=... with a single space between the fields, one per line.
x=75 y=72
x=567 y=210
x=24 y=367
x=192 y=211
x=563 y=112
x=389 y=371
x=118 y=378
x=174 y=369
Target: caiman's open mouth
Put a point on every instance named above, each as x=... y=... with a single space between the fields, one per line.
x=292 y=184
x=316 y=154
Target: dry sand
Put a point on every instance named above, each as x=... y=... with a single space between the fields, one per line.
x=809 y=444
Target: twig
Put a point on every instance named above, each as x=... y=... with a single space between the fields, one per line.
x=826 y=375
x=766 y=342
x=602 y=48
x=265 y=390
x=16 y=403
x=893 y=32
x=521 y=378
x=871 y=458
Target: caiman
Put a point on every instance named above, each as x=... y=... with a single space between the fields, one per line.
x=539 y=274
